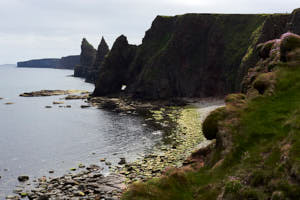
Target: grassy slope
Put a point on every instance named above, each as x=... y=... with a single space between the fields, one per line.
x=264 y=160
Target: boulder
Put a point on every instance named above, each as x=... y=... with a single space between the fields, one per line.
x=23 y=178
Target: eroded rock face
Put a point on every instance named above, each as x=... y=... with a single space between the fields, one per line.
x=87 y=59
x=193 y=55
x=91 y=60
x=294 y=24
x=261 y=79
x=114 y=71
x=102 y=51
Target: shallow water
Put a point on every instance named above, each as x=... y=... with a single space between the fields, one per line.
x=34 y=140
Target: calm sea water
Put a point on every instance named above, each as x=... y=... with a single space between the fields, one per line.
x=34 y=140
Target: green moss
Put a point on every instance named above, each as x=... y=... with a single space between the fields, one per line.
x=235 y=98
x=263 y=82
x=289 y=43
x=210 y=124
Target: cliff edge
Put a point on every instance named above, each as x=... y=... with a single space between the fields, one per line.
x=194 y=55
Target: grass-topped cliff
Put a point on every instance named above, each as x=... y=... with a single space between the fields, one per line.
x=193 y=55
x=256 y=154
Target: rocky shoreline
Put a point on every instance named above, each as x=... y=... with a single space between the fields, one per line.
x=42 y=93
x=89 y=183
x=179 y=124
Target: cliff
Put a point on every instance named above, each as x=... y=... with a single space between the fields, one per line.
x=40 y=63
x=68 y=62
x=91 y=60
x=115 y=68
x=195 y=55
x=255 y=149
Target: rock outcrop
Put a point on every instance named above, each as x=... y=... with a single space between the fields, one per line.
x=102 y=51
x=114 y=71
x=193 y=55
x=87 y=59
x=68 y=62
x=90 y=60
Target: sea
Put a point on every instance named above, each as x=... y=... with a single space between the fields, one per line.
x=35 y=139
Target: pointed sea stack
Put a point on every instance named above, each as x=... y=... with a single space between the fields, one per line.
x=102 y=51
x=114 y=70
x=87 y=59
x=192 y=55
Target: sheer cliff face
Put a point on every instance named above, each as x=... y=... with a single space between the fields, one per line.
x=69 y=62
x=91 y=60
x=88 y=54
x=103 y=49
x=193 y=55
x=114 y=71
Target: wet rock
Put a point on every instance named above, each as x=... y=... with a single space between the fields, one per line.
x=23 y=178
x=51 y=171
x=43 y=197
x=81 y=165
x=108 y=163
x=17 y=191
x=58 y=102
x=122 y=161
x=93 y=167
x=42 y=93
x=89 y=184
x=10 y=197
x=75 y=97
x=85 y=106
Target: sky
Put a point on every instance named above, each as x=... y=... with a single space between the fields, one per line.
x=33 y=29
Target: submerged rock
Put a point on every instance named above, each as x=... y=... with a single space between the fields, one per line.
x=75 y=97
x=85 y=106
x=122 y=161
x=23 y=178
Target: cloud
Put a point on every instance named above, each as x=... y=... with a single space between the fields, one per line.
x=54 y=28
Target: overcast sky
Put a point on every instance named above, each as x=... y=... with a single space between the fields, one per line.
x=54 y=28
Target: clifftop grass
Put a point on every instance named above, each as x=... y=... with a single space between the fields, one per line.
x=263 y=161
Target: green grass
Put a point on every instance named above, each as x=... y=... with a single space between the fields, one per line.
x=256 y=163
